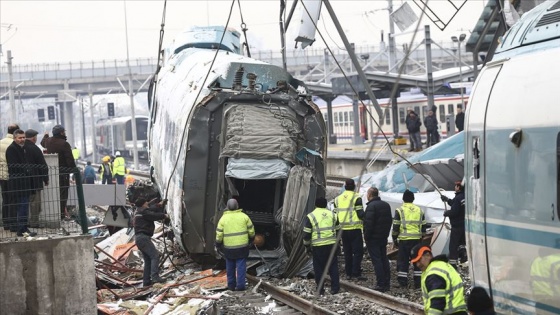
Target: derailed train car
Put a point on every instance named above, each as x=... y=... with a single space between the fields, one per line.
x=224 y=125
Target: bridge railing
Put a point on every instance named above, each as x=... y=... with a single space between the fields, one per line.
x=81 y=69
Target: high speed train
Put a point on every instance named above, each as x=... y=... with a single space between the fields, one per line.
x=115 y=134
x=227 y=126
x=512 y=167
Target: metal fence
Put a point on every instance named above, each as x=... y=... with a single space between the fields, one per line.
x=42 y=200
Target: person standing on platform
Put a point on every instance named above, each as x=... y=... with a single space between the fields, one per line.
x=89 y=174
x=57 y=144
x=19 y=182
x=407 y=119
x=460 y=119
x=76 y=154
x=319 y=239
x=409 y=225
x=413 y=127
x=234 y=234
x=39 y=173
x=119 y=168
x=8 y=214
x=457 y=239
x=106 y=170
x=431 y=124
x=143 y=231
x=377 y=226
x=349 y=210
x=442 y=286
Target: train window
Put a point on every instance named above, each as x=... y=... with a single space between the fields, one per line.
x=475 y=157
x=335 y=117
x=450 y=109
x=441 y=113
x=417 y=110
x=350 y=117
x=345 y=119
x=424 y=112
x=402 y=115
x=387 y=117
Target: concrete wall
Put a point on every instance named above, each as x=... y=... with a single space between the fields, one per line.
x=55 y=276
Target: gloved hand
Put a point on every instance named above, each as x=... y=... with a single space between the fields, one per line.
x=218 y=249
x=251 y=242
x=444 y=198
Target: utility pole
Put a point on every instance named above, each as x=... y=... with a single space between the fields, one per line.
x=391 y=36
x=13 y=112
x=131 y=94
x=84 y=148
x=94 y=151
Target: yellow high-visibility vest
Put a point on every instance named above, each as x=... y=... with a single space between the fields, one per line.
x=346 y=210
x=234 y=229
x=453 y=293
x=323 y=230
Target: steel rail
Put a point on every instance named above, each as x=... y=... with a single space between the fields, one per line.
x=290 y=299
x=382 y=299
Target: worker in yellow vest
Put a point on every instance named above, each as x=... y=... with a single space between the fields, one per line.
x=76 y=153
x=106 y=170
x=409 y=225
x=350 y=211
x=234 y=235
x=119 y=168
x=319 y=239
x=442 y=286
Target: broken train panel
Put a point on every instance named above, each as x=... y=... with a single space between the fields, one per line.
x=249 y=132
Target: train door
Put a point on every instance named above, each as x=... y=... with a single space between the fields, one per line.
x=475 y=155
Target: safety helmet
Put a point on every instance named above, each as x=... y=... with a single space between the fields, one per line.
x=117 y=153
x=106 y=158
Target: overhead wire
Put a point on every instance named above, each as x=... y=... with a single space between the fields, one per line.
x=379 y=125
x=244 y=29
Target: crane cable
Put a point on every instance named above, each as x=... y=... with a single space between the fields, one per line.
x=244 y=29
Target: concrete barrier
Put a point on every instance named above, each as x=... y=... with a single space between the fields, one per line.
x=55 y=276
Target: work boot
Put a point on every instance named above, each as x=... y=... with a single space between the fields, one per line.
x=157 y=279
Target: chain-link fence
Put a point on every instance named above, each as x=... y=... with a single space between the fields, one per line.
x=41 y=200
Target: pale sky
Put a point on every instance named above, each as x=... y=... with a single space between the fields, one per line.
x=63 y=31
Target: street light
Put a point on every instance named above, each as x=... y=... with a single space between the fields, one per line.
x=459 y=41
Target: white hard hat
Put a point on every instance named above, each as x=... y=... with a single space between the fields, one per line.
x=118 y=153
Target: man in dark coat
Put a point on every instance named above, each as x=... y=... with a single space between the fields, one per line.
x=58 y=144
x=19 y=181
x=456 y=216
x=377 y=226
x=413 y=126
x=40 y=173
x=144 y=230
x=431 y=124
x=460 y=119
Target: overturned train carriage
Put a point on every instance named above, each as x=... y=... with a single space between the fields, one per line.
x=248 y=131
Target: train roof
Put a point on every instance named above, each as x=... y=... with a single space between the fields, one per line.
x=537 y=29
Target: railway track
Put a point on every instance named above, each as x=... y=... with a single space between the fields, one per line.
x=309 y=307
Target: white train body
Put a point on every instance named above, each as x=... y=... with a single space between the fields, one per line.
x=512 y=167
x=216 y=134
x=343 y=118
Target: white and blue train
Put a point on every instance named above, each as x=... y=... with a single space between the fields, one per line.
x=227 y=126
x=512 y=168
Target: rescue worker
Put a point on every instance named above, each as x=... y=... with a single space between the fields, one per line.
x=76 y=153
x=442 y=286
x=143 y=231
x=456 y=214
x=319 y=239
x=119 y=168
x=349 y=209
x=545 y=278
x=409 y=225
x=234 y=235
x=129 y=179
x=106 y=170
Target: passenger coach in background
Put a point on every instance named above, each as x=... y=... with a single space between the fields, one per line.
x=120 y=139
